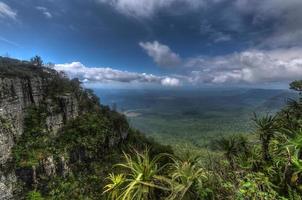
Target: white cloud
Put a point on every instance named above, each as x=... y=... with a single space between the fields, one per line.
x=148 y=8
x=45 y=11
x=9 y=42
x=170 y=82
x=109 y=75
x=252 y=66
x=248 y=67
x=48 y=14
x=161 y=54
x=7 y=12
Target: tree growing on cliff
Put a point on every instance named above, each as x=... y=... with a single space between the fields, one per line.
x=296 y=85
x=37 y=61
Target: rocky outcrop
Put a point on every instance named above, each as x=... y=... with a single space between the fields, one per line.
x=50 y=127
x=7 y=182
x=16 y=95
x=63 y=168
x=60 y=110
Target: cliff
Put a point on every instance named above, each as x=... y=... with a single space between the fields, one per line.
x=18 y=92
x=43 y=116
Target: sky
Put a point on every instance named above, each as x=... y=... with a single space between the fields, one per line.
x=159 y=43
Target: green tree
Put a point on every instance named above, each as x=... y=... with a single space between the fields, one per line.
x=296 y=85
x=37 y=61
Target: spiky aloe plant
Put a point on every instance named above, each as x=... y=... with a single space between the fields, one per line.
x=141 y=179
x=232 y=146
x=294 y=148
x=187 y=178
x=266 y=129
x=115 y=186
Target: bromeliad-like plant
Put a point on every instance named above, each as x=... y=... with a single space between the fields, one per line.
x=141 y=179
x=232 y=146
x=296 y=143
x=266 y=129
x=294 y=148
x=228 y=146
x=115 y=185
x=187 y=178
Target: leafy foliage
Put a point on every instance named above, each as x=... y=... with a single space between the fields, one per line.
x=267 y=165
x=34 y=195
x=266 y=129
x=34 y=143
x=141 y=181
x=37 y=61
x=296 y=85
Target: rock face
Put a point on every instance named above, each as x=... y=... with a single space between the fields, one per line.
x=50 y=127
x=16 y=95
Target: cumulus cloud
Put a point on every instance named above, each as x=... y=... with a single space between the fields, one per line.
x=7 y=12
x=161 y=54
x=170 y=81
x=248 y=67
x=45 y=11
x=147 y=8
x=109 y=75
x=252 y=66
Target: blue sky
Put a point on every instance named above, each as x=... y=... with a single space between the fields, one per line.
x=163 y=43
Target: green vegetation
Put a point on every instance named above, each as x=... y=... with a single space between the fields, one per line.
x=37 y=61
x=83 y=143
x=70 y=163
x=266 y=168
x=99 y=143
x=13 y=67
x=34 y=143
x=34 y=195
x=141 y=180
x=296 y=85
x=192 y=119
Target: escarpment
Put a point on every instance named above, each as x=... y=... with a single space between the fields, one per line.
x=16 y=95
x=50 y=127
